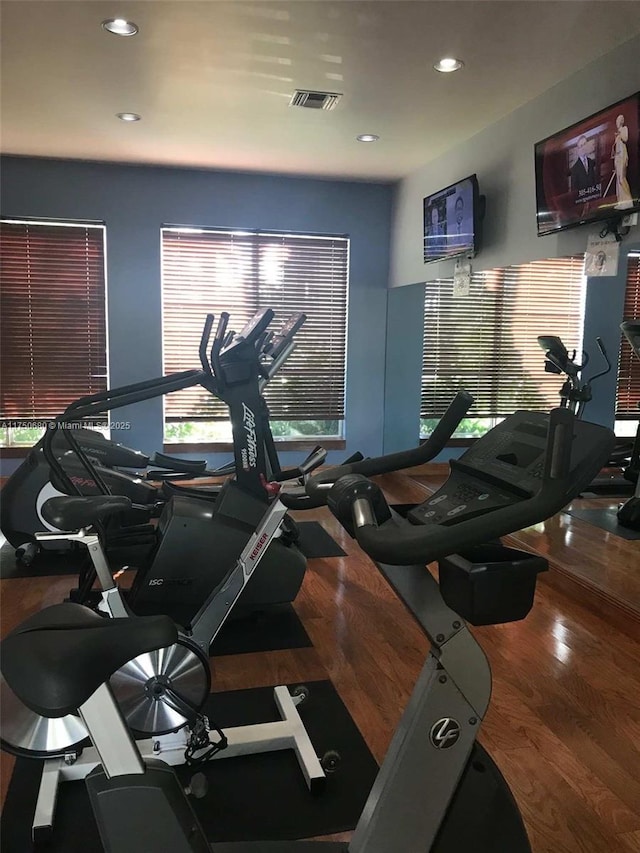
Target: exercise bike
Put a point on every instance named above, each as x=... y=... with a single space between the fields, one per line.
x=575 y=393
x=437 y=789
x=161 y=694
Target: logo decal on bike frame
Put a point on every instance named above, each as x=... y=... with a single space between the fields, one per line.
x=445 y=733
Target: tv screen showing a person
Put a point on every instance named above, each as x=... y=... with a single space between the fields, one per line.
x=449 y=221
x=583 y=170
x=436 y=228
x=591 y=170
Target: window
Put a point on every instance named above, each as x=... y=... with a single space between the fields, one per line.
x=486 y=342
x=628 y=390
x=52 y=322
x=242 y=272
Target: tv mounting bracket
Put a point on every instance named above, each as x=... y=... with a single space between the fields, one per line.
x=619 y=225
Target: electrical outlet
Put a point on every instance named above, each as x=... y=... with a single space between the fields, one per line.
x=629 y=220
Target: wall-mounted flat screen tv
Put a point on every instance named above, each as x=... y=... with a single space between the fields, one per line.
x=451 y=220
x=591 y=170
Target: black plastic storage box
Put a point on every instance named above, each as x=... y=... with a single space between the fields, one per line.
x=490 y=584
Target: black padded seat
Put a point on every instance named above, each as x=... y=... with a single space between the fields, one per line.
x=73 y=512
x=55 y=660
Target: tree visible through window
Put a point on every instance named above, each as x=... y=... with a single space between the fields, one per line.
x=241 y=272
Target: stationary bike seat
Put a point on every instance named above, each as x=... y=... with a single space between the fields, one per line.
x=74 y=511
x=55 y=660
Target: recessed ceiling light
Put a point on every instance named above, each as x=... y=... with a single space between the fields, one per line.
x=367 y=137
x=447 y=65
x=128 y=116
x=120 y=27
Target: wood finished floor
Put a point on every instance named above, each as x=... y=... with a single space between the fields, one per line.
x=564 y=721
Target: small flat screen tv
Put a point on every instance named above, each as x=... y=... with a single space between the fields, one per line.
x=451 y=218
x=591 y=170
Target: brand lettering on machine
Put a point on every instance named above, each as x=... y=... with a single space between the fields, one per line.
x=250 y=456
x=258 y=547
x=83 y=481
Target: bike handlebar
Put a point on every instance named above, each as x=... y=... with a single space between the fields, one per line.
x=317 y=486
x=387 y=540
x=204 y=343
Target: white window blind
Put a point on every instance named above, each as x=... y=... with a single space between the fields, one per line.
x=242 y=272
x=486 y=342
x=628 y=391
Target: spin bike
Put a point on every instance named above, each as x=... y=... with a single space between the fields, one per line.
x=437 y=789
x=161 y=693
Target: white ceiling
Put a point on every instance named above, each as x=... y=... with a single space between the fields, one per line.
x=212 y=80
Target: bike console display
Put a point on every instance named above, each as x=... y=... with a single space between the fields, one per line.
x=505 y=466
x=521 y=472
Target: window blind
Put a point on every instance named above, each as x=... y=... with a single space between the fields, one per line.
x=52 y=317
x=242 y=272
x=628 y=391
x=486 y=342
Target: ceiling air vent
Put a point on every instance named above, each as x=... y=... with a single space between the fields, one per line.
x=314 y=100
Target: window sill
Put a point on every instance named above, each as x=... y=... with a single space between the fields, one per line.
x=621 y=441
x=456 y=442
x=14 y=452
x=227 y=447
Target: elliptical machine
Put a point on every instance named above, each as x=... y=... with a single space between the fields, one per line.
x=36 y=479
x=86 y=463
x=437 y=791
x=272 y=349
x=196 y=540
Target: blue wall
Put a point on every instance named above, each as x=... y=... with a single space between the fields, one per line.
x=136 y=201
x=405 y=317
